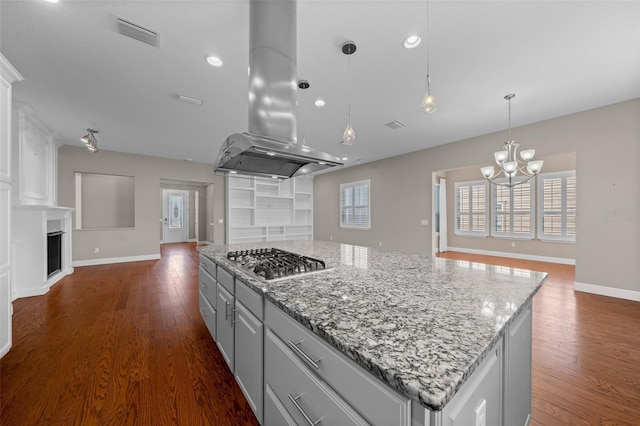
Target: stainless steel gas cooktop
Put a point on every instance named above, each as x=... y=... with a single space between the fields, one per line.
x=273 y=264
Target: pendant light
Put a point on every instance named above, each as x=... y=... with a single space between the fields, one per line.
x=349 y=135
x=429 y=103
x=509 y=163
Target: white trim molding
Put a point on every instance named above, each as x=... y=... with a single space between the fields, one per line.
x=110 y=260
x=607 y=291
x=561 y=260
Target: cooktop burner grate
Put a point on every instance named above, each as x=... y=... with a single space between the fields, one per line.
x=272 y=263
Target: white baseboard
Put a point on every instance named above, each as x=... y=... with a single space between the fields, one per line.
x=192 y=240
x=607 y=291
x=30 y=292
x=44 y=289
x=5 y=349
x=110 y=260
x=549 y=259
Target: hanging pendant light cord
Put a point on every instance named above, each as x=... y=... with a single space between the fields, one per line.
x=349 y=84
x=510 y=138
x=428 y=51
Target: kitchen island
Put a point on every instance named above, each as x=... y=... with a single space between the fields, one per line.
x=452 y=338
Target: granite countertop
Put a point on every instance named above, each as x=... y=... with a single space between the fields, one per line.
x=420 y=324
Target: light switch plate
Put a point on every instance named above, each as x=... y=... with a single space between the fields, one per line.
x=424 y=222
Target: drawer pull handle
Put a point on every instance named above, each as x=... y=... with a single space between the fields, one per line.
x=294 y=401
x=235 y=311
x=226 y=310
x=300 y=352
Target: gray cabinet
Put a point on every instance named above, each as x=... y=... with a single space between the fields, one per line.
x=248 y=357
x=208 y=315
x=517 y=383
x=479 y=400
x=224 y=324
x=299 y=394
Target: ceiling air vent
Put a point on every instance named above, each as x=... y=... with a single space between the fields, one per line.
x=136 y=31
x=395 y=124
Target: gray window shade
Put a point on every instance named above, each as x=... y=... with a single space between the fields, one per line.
x=355 y=208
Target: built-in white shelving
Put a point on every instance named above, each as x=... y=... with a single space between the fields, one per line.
x=262 y=210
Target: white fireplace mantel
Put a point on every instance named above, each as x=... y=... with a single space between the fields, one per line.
x=29 y=248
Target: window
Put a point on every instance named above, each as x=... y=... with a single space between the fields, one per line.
x=471 y=208
x=355 y=208
x=512 y=213
x=557 y=206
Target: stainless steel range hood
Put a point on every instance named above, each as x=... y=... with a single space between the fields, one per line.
x=270 y=147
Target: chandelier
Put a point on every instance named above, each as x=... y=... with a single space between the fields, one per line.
x=515 y=170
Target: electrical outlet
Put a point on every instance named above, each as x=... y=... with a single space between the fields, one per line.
x=331 y=238
x=219 y=220
x=96 y=250
x=481 y=414
x=513 y=244
x=380 y=243
x=424 y=222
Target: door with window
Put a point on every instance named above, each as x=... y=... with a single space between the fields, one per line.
x=176 y=215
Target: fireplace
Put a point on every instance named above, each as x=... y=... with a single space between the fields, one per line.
x=54 y=252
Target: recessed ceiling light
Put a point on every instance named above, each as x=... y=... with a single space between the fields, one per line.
x=214 y=60
x=322 y=163
x=274 y=177
x=344 y=158
x=233 y=172
x=52 y=1
x=319 y=103
x=411 y=41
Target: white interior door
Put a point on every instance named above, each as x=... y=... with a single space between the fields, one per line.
x=176 y=215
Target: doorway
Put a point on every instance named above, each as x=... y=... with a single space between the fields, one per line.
x=175 y=206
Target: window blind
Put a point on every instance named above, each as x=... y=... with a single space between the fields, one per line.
x=355 y=208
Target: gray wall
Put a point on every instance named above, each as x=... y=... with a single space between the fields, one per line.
x=144 y=239
x=108 y=201
x=554 y=163
x=606 y=142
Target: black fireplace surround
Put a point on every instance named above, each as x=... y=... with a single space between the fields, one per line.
x=54 y=252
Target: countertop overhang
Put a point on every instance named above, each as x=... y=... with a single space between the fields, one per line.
x=420 y=324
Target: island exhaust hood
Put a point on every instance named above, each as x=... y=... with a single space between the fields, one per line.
x=270 y=147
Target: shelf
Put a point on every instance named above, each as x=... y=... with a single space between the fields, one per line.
x=263 y=210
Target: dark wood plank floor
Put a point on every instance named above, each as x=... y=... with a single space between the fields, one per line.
x=586 y=351
x=125 y=344
x=119 y=344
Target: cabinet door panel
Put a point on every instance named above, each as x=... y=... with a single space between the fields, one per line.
x=224 y=325
x=483 y=389
x=248 y=353
x=518 y=371
x=208 y=315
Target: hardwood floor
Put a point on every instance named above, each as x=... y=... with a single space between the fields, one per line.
x=119 y=344
x=586 y=351
x=125 y=344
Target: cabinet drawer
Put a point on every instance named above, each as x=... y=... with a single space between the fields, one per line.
x=375 y=400
x=207 y=285
x=226 y=279
x=208 y=315
x=305 y=397
x=250 y=299
x=208 y=265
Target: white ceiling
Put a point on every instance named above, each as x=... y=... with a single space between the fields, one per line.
x=559 y=57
